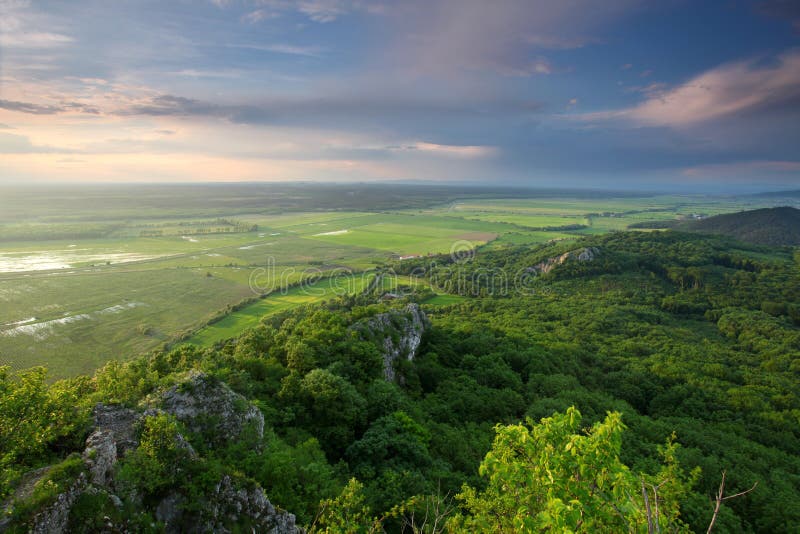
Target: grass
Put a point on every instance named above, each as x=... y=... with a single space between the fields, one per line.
x=236 y=322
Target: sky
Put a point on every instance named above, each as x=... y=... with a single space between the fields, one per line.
x=678 y=95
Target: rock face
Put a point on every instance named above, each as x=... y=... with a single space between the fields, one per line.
x=100 y=456
x=120 y=423
x=54 y=518
x=114 y=434
x=205 y=406
x=398 y=334
x=581 y=254
x=229 y=504
x=209 y=407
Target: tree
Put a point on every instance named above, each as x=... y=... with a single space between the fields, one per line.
x=548 y=476
x=34 y=417
x=346 y=514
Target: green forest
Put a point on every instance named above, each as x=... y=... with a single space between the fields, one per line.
x=608 y=384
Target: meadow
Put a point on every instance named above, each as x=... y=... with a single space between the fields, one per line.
x=117 y=271
x=249 y=316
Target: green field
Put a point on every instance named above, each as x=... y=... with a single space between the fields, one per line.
x=249 y=316
x=106 y=275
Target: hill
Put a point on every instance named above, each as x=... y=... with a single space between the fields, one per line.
x=767 y=226
x=361 y=414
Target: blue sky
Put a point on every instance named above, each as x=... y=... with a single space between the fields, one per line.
x=670 y=95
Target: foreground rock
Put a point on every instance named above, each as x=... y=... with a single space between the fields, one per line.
x=208 y=409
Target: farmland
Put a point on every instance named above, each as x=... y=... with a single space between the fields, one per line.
x=131 y=275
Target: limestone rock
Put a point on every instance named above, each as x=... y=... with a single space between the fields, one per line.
x=398 y=333
x=209 y=407
x=54 y=518
x=120 y=422
x=100 y=456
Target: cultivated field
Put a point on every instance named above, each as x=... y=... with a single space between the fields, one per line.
x=108 y=274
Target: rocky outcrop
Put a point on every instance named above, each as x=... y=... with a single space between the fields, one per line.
x=398 y=333
x=581 y=254
x=120 y=423
x=208 y=407
x=231 y=503
x=114 y=433
x=100 y=456
x=55 y=517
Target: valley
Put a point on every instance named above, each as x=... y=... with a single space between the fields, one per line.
x=181 y=269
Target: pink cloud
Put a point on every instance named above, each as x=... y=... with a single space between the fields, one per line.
x=726 y=90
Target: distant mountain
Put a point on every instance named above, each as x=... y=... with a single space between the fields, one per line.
x=768 y=226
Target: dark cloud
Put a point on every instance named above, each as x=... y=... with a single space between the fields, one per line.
x=330 y=111
x=27 y=107
x=47 y=109
x=171 y=105
x=783 y=9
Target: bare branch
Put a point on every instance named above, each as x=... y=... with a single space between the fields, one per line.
x=721 y=497
x=741 y=493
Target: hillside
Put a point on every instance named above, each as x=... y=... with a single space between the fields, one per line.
x=767 y=226
x=362 y=414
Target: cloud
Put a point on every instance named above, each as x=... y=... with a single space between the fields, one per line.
x=323 y=10
x=197 y=73
x=734 y=89
x=45 y=109
x=461 y=151
x=20 y=28
x=337 y=111
x=34 y=40
x=283 y=48
x=171 y=105
x=458 y=36
x=259 y=15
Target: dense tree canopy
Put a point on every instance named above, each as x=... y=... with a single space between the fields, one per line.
x=667 y=333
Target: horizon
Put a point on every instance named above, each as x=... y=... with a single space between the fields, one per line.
x=625 y=97
x=566 y=190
